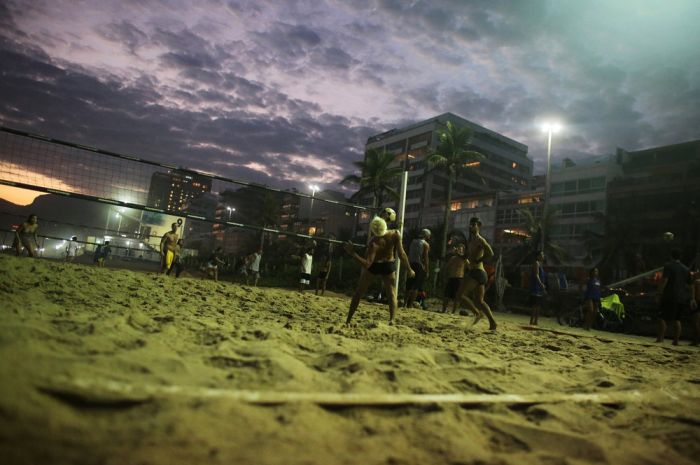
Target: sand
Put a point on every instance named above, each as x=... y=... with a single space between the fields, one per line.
x=102 y=366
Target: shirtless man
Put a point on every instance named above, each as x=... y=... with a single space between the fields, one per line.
x=25 y=236
x=167 y=248
x=380 y=260
x=455 y=272
x=477 y=250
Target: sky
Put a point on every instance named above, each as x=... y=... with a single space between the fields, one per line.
x=286 y=92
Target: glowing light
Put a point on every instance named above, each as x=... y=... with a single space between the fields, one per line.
x=472 y=164
x=551 y=126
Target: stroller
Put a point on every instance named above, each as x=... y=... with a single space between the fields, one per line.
x=610 y=315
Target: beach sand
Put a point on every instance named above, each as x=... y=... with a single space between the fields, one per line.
x=102 y=366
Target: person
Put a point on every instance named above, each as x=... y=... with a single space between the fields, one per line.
x=253 y=267
x=178 y=263
x=537 y=287
x=675 y=291
x=102 y=253
x=454 y=269
x=419 y=258
x=379 y=261
x=72 y=249
x=167 y=248
x=389 y=216
x=211 y=268
x=478 y=249
x=26 y=236
x=305 y=263
x=323 y=271
x=591 y=299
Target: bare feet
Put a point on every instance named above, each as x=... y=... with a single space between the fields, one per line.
x=493 y=326
x=477 y=317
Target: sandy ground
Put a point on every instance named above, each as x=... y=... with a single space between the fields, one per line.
x=101 y=366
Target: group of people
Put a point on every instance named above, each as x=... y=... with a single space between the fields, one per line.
x=466 y=276
x=385 y=247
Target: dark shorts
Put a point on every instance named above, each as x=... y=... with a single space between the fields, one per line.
x=536 y=300
x=452 y=287
x=322 y=274
x=671 y=311
x=305 y=278
x=382 y=268
x=416 y=283
x=478 y=275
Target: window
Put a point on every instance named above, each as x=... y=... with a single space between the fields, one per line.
x=598 y=183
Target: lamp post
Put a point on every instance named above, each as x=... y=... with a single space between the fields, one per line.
x=550 y=128
x=230 y=210
x=119 y=226
x=313 y=188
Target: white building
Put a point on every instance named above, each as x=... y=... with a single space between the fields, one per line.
x=578 y=192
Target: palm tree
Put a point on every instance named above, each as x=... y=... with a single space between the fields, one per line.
x=376 y=178
x=453 y=156
x=269 y=213
x=534 y=228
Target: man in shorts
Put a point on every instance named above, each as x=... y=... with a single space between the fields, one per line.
x=167 y=248
x=253 y=267
x=211 y=268
x=676 y=291
x=478 y=249
x=419 y=257
x=323 y=271
x=305 y=264
x=454 y=270
x=26 y=236
x=379 y=261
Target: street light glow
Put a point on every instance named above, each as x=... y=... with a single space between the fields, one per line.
x=551 y=126
x=314 y=188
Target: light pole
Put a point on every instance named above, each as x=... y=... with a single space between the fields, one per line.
x=550 y=128
x=313 y=188
x=119 y=226
x=230 y=210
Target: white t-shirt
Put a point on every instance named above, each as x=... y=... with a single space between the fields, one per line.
x=72 y=249
x=255 y=264
x=306 y=261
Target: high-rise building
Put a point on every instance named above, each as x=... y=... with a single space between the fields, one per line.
x=578 y=197
x=505 y=166
x=173 y=190
x=658 y=192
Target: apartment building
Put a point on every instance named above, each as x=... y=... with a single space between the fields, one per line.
x=505 y=167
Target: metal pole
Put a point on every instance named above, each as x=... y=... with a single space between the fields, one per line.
x=546 y=187
x=402 y=210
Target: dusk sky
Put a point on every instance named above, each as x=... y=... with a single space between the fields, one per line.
x=287 y=92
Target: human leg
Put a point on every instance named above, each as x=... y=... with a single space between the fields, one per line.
x=362 y=285
x=465 y=288
x=388 y=281
x=676 y=332
x=589 y=315
x=661 y=333
x=483 y=306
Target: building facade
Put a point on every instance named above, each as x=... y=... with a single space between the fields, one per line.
x=658 y=192
x=578 y=197
x=174 y=190
x=505 y=165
